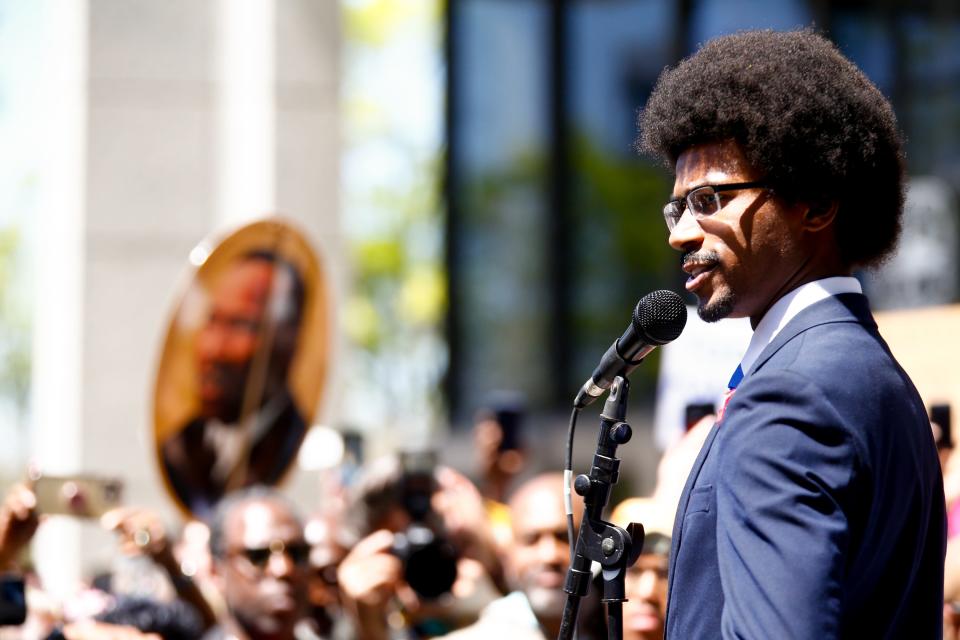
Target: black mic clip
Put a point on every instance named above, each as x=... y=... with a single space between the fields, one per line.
x=614 y=548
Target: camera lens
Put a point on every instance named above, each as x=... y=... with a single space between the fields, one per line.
x=430 y=562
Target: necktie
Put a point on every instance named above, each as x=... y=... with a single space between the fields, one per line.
x=731 y=388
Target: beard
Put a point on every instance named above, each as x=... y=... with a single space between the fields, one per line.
x=546 y=603
x=222 y=391
x=718 y=309
x=725 y=301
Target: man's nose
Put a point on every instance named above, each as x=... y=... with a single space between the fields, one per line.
x=687 y=235
x=645 y=586
x=281 y=564
x=210 y=341
x=552 y=551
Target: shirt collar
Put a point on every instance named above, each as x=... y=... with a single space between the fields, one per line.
x=787 y=307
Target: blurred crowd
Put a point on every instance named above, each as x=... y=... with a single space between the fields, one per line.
x=413 y=549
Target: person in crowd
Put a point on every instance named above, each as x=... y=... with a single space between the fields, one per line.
x=645 y=610
x=261 y=563
x=500 y=455
x=677 y=460
x=98 y=630
x=111 y=616
x=249 y=427
x=816 y=507
x=499 y=443
x=951 y=620
x=422 y=559
x=323 y=592
x=136 y=618
x=19 y=521
x=942 y=434
x=142 y=532
x=536 y=566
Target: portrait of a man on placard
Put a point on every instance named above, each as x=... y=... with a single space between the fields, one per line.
x=238 y=334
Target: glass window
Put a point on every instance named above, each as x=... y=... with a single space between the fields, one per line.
x=501 y=146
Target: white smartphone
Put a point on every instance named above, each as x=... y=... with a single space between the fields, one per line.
x=81 y=496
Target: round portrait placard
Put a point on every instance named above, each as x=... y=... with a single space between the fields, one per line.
x=243 y=365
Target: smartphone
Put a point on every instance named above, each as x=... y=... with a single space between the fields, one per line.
x=13 y=601
x=511 y=422
x=80 y=496
x=695 y=412
x=940 y=415
x=507 y=409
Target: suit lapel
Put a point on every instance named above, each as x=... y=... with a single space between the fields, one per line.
x=682 y=508
x=846 y=307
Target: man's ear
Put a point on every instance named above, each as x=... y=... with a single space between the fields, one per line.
x=820 y=215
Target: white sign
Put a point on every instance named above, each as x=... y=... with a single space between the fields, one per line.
x=695 y=368
x=923 y=270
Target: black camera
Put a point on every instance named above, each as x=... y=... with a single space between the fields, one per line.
x=429 y=559
x=940 y=416
x=13 y=602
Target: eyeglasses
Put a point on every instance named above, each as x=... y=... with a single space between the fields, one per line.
x=702 y=202
x=259 y=557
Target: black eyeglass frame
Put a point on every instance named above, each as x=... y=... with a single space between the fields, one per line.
x=672 y=218
x=259 y=557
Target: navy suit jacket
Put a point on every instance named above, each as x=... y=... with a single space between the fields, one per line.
x=815 y=508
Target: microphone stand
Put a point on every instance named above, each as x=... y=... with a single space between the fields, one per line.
x=614 y=548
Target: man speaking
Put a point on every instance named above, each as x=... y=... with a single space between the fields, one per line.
x=815 y=508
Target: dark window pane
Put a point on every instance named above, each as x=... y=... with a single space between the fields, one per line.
x=501 y=142
x=712 y=18
x=618 y=249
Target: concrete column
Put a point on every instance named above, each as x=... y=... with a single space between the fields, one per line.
x=57 y=386
x=245 y=109
x=171 y=120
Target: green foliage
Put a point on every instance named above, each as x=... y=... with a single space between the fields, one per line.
x=394 y=314
x=625 y=196
x=617 y=247
x=619 y=199
x=373 y=23
x=399 y=278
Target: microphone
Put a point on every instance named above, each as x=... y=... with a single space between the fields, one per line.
x=658 y=318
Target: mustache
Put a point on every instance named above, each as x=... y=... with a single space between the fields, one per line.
x=700 y=257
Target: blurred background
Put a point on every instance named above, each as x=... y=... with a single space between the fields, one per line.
x=464 y=169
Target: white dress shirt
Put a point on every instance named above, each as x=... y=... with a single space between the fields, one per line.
x=787 y=307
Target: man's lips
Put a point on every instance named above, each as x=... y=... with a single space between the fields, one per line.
x=642 y=621
x=279 y=599
x=698 y=272
x=282 y=603
x=549 y=579
x=641 y=615
x=698 y=266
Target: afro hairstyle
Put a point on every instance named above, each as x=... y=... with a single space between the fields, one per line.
x=805 y=116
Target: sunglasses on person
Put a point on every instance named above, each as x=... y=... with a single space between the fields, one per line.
x=259 y=557
x=702 y=202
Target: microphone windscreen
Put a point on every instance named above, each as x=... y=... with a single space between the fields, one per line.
x=660 y=316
